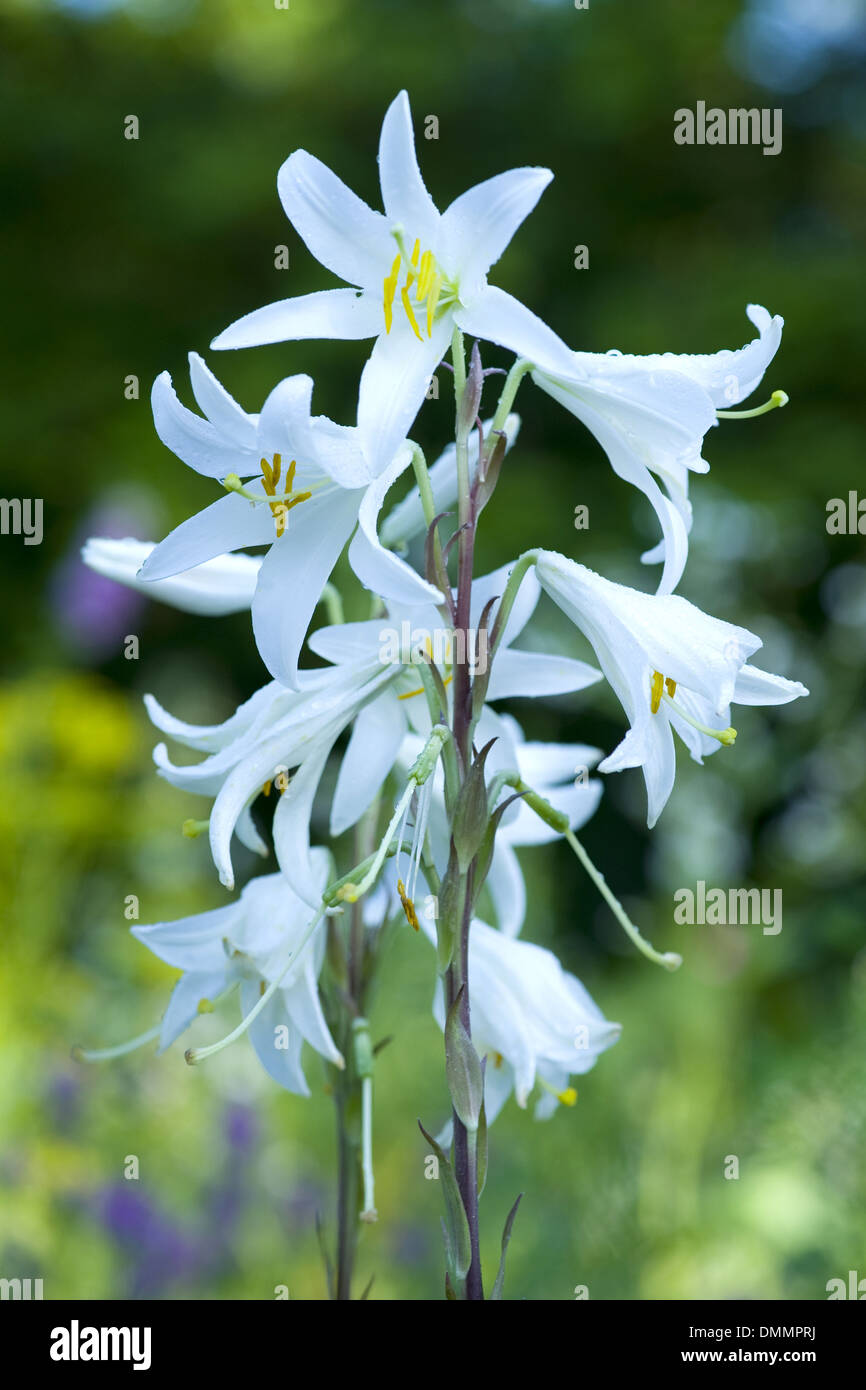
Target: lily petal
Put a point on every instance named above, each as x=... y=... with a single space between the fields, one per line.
x=498 y=317
x=292 y=577
x=228 y=524
x=478 y=225
x=404 y=197
x=380 y=570
x=339 y=230
x=323 y=314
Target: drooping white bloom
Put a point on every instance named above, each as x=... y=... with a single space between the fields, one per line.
x=261 y=940
x=284 y=737
x=671 y=666
x=225 y=584
x=415 y=274
x=278 y=739
x=534 y=1022
x=298 y=483
x=650 y=414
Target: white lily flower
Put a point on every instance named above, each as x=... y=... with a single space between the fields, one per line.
x=296 y=482
x=650 y=414
x=261 y=942
x=671 y=666
x=225 y=584
x=415 y=274
x=534 y=1021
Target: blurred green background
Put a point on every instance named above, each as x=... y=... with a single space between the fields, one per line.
x=122 y=255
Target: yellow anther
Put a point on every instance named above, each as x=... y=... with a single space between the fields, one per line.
x=567 y=1097
x=498 y=1059
x=408 y=905
x=390 y=286
x=415 y=252
x=266 y=789
x=670 y=686
x=410 y=313
x=656 y=688
x=204 y=1006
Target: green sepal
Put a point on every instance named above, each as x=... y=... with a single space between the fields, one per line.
x=471 y=815
x=463 y=1068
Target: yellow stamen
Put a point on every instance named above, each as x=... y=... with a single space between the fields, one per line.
x=498 y=1059
x=410 y=313
x=205 y=1006
x=670 y=686
x=408 y=905
x=390 y=286
x=415 y=250
x=266 y=789
x=656 y=688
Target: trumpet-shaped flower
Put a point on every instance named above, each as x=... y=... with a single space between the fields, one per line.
x=671 y=666
x=265 y=941
x=534 y=1021
x=650 y=415
x=415 y=274
x=225 y=584
x=296 y=482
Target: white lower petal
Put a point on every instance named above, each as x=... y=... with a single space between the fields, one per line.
x=293 y=576
x=347 y=314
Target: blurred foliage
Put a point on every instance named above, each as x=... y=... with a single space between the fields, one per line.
x=123 y=254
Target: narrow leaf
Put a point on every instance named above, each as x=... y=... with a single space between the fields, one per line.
x=506 y=1237
x=458 y=1244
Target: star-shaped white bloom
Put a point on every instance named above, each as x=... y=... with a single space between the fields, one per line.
x=415 y=274
x=650 y=414
x=671 y=666
x=261 y=940
x=298 y=483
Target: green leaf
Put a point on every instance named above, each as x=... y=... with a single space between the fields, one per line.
x=506 y=1237
x=463 y=1068
x=458 y=1246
